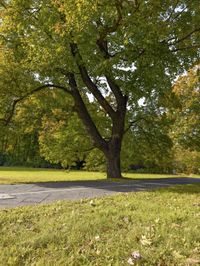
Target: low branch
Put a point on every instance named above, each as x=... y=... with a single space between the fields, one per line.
x=7 y=120
x=87 y=150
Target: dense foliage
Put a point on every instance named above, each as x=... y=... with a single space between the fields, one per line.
x=185 y=130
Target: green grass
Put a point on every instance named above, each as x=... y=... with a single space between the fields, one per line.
x=162 y=225
x=11 y=175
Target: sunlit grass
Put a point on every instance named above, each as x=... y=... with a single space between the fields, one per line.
x=28 y=175
x=11 y=175
x=161 y=226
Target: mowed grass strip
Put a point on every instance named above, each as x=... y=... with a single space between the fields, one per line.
x=146 y=228
x=12 y=175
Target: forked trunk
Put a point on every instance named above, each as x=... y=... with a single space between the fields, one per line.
x=111 y=148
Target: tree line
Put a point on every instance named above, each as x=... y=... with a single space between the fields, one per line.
x=53 y=136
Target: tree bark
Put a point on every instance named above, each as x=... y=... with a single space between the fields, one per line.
x=113 y=153
x=113 y=161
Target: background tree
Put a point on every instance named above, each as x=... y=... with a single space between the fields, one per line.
x=185 y=131
x=118 y=51
x=186 y=128
x=19 y=138
x=186 y=160
x=147 y=146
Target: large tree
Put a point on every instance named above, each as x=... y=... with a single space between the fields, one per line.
x=122 y=54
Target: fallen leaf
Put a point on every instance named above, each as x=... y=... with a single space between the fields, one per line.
x=192 y=261
x=130 y=261
x=97 y=238
x=92 y=203
x=145 y=241
x=136 y=255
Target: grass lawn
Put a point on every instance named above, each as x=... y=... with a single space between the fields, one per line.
x=11 y=175
x=147 y=228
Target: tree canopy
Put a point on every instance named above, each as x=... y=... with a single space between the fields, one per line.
x=121 y=55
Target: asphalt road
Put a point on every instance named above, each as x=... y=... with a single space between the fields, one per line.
x=36 y=193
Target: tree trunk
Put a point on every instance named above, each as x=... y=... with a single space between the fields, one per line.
x=113 y=165
x=112 y=147
x=113 y=157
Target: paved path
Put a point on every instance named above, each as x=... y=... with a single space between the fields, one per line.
x=35 y=193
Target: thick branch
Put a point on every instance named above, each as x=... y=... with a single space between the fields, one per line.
x=89 y=83
x=105 y=30
x=103 y=47
x=85 y=117
x=116 y=91
x=102 y=44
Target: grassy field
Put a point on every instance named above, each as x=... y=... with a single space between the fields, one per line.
x=147 y=228
x=10 y=175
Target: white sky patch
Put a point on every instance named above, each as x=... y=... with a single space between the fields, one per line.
x=126 y=68
x=141 y=101
x=90 y=97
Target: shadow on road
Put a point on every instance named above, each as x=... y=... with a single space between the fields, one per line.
x=128 y=185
